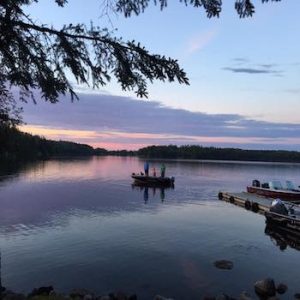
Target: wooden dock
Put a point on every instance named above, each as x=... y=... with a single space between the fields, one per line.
x=247 y=200
x=283 y=227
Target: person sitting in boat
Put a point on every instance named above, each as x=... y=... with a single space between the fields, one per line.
x=162 y=170
x=146 y=168
x=154 y=171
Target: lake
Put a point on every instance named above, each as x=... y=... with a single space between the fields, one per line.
x=80 y=223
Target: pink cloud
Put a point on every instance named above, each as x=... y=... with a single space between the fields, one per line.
x=200 y=41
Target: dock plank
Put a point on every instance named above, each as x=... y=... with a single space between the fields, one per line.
x=247 y=200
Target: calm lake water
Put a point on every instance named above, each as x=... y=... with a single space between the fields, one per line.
x=80 y=223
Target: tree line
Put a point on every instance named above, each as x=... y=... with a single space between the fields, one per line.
x=213 y=153
x=16 y=145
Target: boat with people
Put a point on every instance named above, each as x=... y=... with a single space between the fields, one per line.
x=275 y=189
x=141 y=179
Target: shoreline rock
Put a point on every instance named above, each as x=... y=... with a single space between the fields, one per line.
x=264 y=289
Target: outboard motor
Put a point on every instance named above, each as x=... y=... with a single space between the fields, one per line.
x=256 y=183
x=278 y=207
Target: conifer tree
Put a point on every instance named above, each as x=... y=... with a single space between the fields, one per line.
x=37 y=57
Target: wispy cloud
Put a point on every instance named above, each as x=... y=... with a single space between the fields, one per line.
x=243 y=65
x=293 y=91
x=240 y=60
x=267 y=66
x=200 y=41
x=114 y=121
x=252 y=70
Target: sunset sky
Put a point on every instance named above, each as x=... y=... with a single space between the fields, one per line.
x=244 y=80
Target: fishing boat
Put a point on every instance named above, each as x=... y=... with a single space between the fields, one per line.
x=140 y=179
x=288 y=222
x=274 y=189
x=285 y=215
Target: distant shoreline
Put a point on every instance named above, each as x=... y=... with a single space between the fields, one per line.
x=20 y=146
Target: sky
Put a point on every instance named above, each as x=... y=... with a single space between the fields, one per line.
x=244 y=80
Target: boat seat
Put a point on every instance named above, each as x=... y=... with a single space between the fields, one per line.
x=290 y=186
x=265 y=185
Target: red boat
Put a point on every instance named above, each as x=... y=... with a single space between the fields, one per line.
x=274 y=189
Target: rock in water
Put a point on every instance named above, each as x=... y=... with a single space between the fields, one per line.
x=79 y=293
x=281 y=288
x=105 y=297
x=223 y=297
x=224 y=264
x=12 y=296
x=120 y=296
x=41 y=291
x=265 y=287
x=245 y=296
x=158 y=297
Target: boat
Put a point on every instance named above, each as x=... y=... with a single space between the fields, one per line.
x=140 y=179
x=288 y=222
x=274 y=189
x=285 y=215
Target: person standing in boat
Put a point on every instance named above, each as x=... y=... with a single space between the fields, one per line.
x=154 y=171
x=162 y=170
x=146 y=168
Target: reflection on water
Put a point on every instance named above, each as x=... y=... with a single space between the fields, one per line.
x=283 y=238
x=81 y=223
x=155 y=192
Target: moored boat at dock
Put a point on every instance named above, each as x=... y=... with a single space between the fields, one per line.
x=274 y=189
x=287 y=222
x=284 y=214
